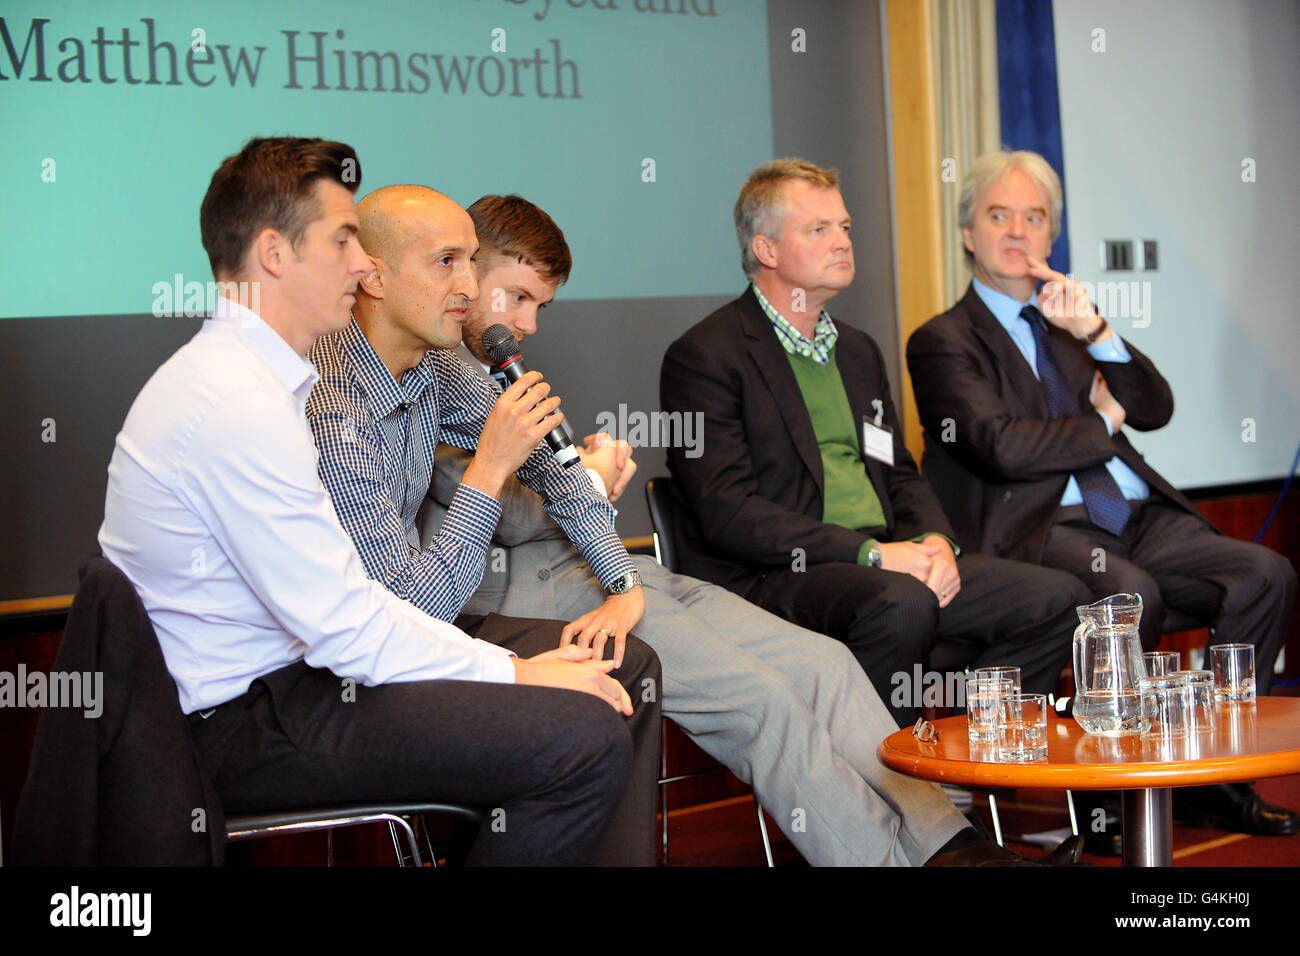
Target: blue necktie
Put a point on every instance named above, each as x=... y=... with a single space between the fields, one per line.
x=1101 y=495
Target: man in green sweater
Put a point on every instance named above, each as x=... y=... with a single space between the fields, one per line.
x=805 y=499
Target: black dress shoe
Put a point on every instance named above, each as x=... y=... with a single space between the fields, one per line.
x=1067 y=854
x=1234 y=807
x=984 y=853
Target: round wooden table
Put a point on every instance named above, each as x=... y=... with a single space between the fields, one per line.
x=1249 y=741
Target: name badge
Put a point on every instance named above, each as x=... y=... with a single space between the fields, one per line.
x=877 y=441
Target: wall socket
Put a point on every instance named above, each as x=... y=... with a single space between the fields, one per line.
x=1117 y=255
x=1125 y=255
x=1150 y=260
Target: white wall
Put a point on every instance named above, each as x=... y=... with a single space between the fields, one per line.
x=1155 y=132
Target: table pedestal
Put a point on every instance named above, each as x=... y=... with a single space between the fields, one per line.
x=1148 y=827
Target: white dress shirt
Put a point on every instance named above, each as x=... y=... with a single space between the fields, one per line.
x=217 y=515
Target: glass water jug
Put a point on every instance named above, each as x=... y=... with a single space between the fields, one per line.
x=1107 y=667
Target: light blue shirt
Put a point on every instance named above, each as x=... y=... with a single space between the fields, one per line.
x=1007 y=311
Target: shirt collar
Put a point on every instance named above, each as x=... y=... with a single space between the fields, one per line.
x=792 y=340
x=383 y=393
x=296 y=372
x=1004 y=308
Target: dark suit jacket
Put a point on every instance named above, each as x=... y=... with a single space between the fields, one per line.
x=1004 y=467
x=120 y=789
x=756 y=489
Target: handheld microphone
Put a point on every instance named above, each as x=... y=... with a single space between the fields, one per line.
x=508 y=362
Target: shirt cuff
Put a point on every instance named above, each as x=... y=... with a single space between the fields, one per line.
x=471 y=517
x=1109 y=430
x=498 y=668
x=956 y=548
x=598 y=482
x=1112 y=350
x=608 y=559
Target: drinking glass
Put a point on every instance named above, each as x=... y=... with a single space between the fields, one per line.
x=1201 y=686
x=1166 y=705
x=1010 y=673
x=1022 y=728
x=1234 y=671
x=1160 y=662
x=983 y=694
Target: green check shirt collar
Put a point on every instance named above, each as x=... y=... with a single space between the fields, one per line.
x=824 y=334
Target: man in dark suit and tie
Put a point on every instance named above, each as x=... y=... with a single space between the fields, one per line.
x=1023 y=395
x=805 y=499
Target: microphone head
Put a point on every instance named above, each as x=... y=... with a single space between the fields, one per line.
x=499 y=344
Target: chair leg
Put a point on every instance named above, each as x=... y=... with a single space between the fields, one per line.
x=663 y=824
x=997 y=821
x=423 y=824
x=1074 y=822
x=397 y=847
x=393 y=824
x=762 y=828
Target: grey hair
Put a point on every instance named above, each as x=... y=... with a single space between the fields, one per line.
x=760 y=209
x=997 y=165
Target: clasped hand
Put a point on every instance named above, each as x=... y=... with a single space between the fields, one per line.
x=610 y=459
x=930 y=561
x=573 y=668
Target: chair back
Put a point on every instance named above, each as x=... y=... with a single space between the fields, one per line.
x=663 y=513
x=123 y=785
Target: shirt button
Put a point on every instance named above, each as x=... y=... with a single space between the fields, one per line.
x=1006 y=496
x=543 y=574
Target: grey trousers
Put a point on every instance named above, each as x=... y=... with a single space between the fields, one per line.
x=788 y=711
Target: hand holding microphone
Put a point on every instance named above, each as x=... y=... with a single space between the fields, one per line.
x=524 y=414
x=507 y=360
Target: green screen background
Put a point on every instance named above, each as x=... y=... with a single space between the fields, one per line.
x=131 y=162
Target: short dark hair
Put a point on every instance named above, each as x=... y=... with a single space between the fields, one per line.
x=268 y=185
x=512 y=226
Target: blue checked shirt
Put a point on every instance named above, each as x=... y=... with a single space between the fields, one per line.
x=376 y=440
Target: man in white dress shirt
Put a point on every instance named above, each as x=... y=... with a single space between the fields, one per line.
x=305 y=682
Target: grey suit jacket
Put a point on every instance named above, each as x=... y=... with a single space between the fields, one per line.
x=533 y=570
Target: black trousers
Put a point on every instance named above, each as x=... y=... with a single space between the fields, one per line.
x=550 y=765
x=1006 y=613
x=1176 y=561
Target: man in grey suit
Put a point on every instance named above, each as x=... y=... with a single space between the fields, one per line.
x=787 y=710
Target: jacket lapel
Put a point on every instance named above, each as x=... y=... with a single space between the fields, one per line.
x=777 y=376
x=1024 y=389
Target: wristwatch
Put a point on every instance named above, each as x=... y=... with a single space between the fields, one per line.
x=624 y=584
x=874 y=558
x=1101 y=327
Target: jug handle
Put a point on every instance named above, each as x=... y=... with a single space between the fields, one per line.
x=1086 y=627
